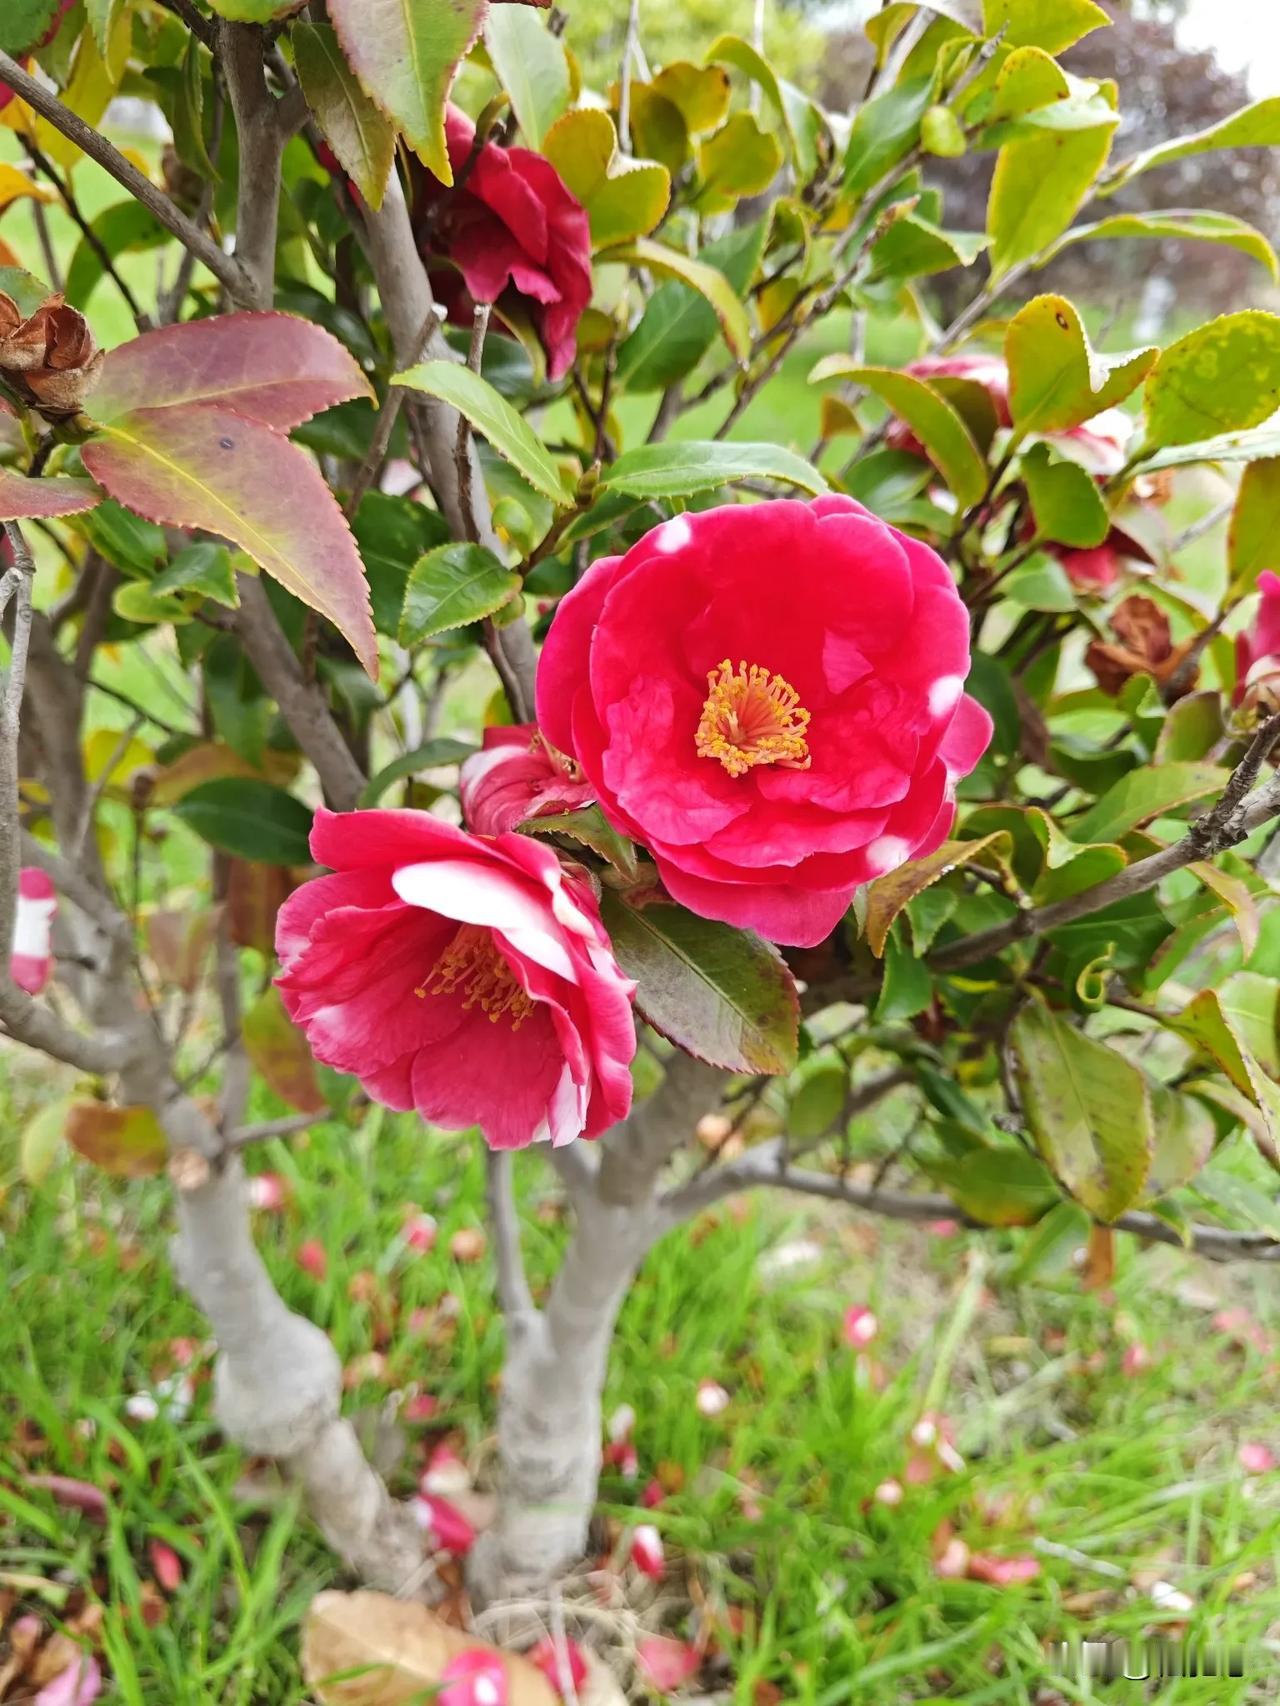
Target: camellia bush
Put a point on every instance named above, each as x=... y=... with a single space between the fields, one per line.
x=562 y=752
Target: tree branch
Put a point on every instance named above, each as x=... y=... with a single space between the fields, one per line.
x=261 y=137
x=767 y=1165
x=513 y=1288
x=225 y=268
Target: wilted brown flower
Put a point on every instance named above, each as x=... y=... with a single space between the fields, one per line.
x=1145 y=647
x=51 y=357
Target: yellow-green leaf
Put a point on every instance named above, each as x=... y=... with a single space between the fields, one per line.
x=739 y=160
x=708 y=281
x=624 y=198
x=509 y=433
x=1057 y=379
x=938 y=426
x=125 y=1142
x=357 y=130
x=1224 y=377
x=1038 y=185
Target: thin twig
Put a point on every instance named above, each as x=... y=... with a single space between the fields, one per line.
x=240 y=1137
x=462 y=448
x=225 y=268
x=41 y=161
x=629 y=45
x=380 y=443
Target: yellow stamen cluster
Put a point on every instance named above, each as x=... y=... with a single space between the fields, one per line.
x=752 y=717
x=472 y=963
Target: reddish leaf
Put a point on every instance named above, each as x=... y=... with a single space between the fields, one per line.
x=179 y=942
x=126 y=1142
x=61 y=494
x=275 y=368
x=280 y=1053
x=255 y=893
x=72 y=1495
x=202 y=465
x=665 y=1663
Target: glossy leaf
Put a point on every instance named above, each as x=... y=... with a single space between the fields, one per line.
x=125 y=1142
x=1065 y=500
x=280 y=1053
x=684 y=469
x=1028 y=78
x=739 y=160
x=1253 y=126
x=887 y=896
x=1226 y=447
x=1253 y=541
x=274 y=368
x=1182 y=223
x=721 y=994
x=202 y=465
x=1145 y=794
x=998 y=1185
x=1057 y=380
x=451 y=586
x=1038 y=185
x=799 y=116
x=1049 y=24
x=61 y=494
x=357 y=130
x=392 y=533
x=933 y=420
x=1223 y=377
x=442 y=750
x=679 y=325
x=589 y=828
x=531 y=65
x=624 y=198
x=509 y=433
x=1087 y=1108
x=883 y=131
x=699 y=93
x=250 y=819
x=405 y=54
x=710 y=284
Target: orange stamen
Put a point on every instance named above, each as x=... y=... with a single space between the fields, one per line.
x=752 y=717
x=472 y=964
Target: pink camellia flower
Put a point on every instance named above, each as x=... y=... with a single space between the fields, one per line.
x=562 y=1662
x=516 y=776
x=770 y=697
x=646 y=1551
x=860 y=1326
x=1258 y=647
x=1097 y=444
x=510 y=226
x=475 y=1678
x=468 y=978
x=446 y=1526
x=446 y=1473
x=31 y=959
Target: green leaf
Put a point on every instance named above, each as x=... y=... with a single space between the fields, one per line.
x=138 y=547
x=1184 y=1139
x=624 y=198
x=532 y=67
x=509 y=433
x=739 y=160
x=997 y=1184
x=887 y=896
x=711 y=285
x=1147 y=793
x=1028 y=78
x=1049 y=24
x=1253 y=126
x=357 y=130
x=24 y=289
x=103 y=17
x=251 y=819
x=817 y=1103
x=684 y=469
x=22 y=23
x=280 y=1053
x=205 y=465
x=1065 y=500
x=942 y=134
x=451 y=586
x=1223 y=377
x=1038 y=185
x=405 y=57
x=253 y=11
x=799 y=116
x=907 y=987
x=1057 y=380
x=721 y=994
x=589 y=828
x=1228 y=447
x=392 y=533
x=203 y=568
x=1191 y=730
x=1253 y=542
x=125 y=1142
x=884 y=130
x=436 y=752
x=913 y=247
x=42 y=1138
x=125 y=228
x=933 y=420
x=679 y=325
x=1183 y=223
x=1239 y=1200
x=1087 y=1108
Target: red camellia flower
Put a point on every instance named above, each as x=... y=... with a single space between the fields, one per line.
x=517 y=776
x=1258 y=647
x=510 y=226
x=771 y=698
x=1098 y=444
x=468 y=978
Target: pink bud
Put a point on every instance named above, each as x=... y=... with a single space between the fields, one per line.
x=889 y=1493
x=653 y=1495
x=422 y=1407
x=665 y=1663
x=561 y=1662
x=312 y=1258
x=420 y=1233
x=31 y=956
x=268 y=1192
x=445 y=1474
x=166 y=1566
x=445 y=1524
x=712 y=1398
x=475 y=1678
x=1256 y=1458
x=860 y=1326
x=646 y=1551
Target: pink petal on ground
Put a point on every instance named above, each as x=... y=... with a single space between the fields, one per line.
x=665 y=1663
x=646 y=1551
x=72 y=1495
x=79 y=1685
x=1002 y=1572
x=475 y=1678
x=1255 y=1458
x=712 y=1399
x=561 y=1662
x=166 y=1566
x=312 y=1258
x=860 y=1326
x=445 y=1524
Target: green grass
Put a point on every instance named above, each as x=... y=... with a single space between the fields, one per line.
x=840 y=1597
